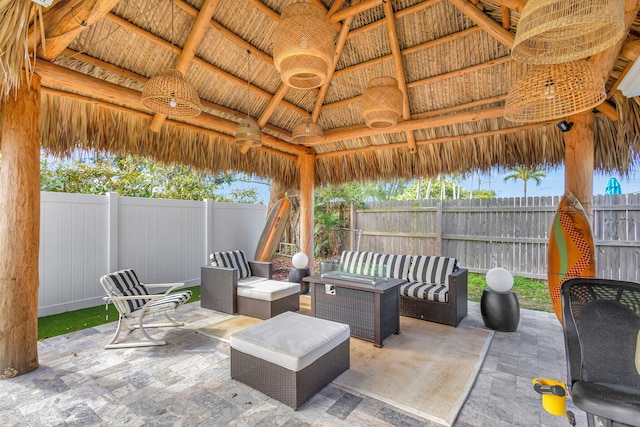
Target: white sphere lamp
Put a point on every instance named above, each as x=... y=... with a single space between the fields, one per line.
x=300 y=260
x=499 y=279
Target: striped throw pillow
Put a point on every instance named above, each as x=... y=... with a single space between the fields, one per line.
x=395 y=266
x=431 y=269
x=232 y=259
x=126 y=283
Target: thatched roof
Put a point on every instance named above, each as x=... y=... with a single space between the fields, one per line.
x=456 y=65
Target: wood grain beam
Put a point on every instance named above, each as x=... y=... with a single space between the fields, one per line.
x=396 y=53
x=631 y=50
x=456 y=108
x=354 y=10
x=342 y=39
x=223 y=74
x=489 y=25
x=266 y=10
x=189 y=50
x=68 y=80
x=516 y=5
x=435 y=140
x=273 y=104
x=230 y=35
x=505 y=13
x=65 y=20
x=142 y=79
x=361 y=131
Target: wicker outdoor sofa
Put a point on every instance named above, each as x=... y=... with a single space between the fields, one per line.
x=436 y=288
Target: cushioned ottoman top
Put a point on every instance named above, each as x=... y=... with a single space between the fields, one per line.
x=268 y=290
x=291 y=340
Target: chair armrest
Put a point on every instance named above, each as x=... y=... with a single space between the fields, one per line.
x=458 y=285
x=261 y=269
x=219 y=288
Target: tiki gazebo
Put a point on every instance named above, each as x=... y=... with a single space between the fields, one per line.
x=327 y=91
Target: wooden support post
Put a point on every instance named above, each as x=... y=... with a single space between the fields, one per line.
x=19 y=230
x=579 y=159
x=307 y=183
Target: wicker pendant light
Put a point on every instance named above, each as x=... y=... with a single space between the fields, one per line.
x=248 y=132
x=555 y=91
x=556 y=31
x=170 y=94
x=382 y=102
x=306 y=131
x=303 y=46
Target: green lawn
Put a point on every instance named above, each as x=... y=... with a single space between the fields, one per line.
x=63 y=323
x=532 y=294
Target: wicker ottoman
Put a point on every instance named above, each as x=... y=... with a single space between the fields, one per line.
x=268 y=298
x=290 y=357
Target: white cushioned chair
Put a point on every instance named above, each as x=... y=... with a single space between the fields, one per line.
x=134 y=302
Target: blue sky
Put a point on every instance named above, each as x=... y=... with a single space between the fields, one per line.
x=551 y=185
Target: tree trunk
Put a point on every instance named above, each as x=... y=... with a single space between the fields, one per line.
x=307 y=183
x=19 y=230
x=579 y=159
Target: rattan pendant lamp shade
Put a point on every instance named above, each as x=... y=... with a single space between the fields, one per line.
x=303 y=46
x=307 y=131
x=170 y=94
x=248 y=133
x=556 y=31
x=554 y=91
x=382 y=102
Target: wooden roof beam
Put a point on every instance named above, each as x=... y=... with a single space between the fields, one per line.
x=189 y=50
x=342 y=39
x=273 y=104
x=230 y=35
x=65 y=20
x=516 y=5
x=432 y=79
x=354 y=10
x=454 y=138
x=65 y=79
x=163 y=43
x=142 y=79
x=360 y=131
x=266 y=10
x=505 y=13
x=392 y=34
x=489 y=25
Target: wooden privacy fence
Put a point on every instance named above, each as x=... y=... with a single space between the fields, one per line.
x=512 y=232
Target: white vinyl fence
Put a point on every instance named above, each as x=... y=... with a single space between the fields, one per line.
x=83 y=237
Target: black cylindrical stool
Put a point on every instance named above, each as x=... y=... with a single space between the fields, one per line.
x=296 y=275
x=500 y=310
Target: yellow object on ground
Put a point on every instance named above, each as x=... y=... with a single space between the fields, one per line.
x=555 y=405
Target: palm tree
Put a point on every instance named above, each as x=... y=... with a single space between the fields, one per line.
x=527 y=173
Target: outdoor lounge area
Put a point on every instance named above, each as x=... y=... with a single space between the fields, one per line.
x=302 y=96
x=187 y=382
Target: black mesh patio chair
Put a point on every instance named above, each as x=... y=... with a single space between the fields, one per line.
x=601 y=320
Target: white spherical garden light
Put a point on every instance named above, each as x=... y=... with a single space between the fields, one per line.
x=300 y=260
x=499 y=279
